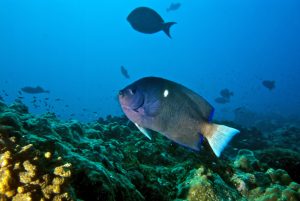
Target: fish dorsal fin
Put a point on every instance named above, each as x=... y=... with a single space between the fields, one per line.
x=144 y=131
x=204 y=107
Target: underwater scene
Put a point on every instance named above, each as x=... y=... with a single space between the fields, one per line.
x=149 y=100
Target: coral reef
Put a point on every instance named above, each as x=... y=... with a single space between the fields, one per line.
x=44 y=158
x=27 y=174
x=256 y=182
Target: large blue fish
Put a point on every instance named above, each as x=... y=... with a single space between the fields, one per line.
x=174 y=111
x=148 y=21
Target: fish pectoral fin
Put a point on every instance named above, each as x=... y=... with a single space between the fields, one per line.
x=144 y=131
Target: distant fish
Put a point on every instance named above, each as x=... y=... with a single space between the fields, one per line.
x=225 y=93
x=124 y=72
x=238 y=109
x=222 y=100
x=148 y=21
x=20 y=92
x=269 y=84
x=34 y=90
x=174 y=111
x=57 y=99
x=173 y=7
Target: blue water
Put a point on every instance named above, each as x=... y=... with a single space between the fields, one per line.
x=75 y=50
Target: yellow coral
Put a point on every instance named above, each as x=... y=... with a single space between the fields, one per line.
x=5 y=181
x=22 y=197
x=5 y=159
x=21 y=178
x=11 y=193
x=48 y=155
x=17 y=166
x=21 y=189
x=25 y=177
x=58 y=181
x=63 y=170
x=26 y=148
x=30 y=168
x=56 y=189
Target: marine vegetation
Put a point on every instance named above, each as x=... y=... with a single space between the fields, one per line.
x=44 y=158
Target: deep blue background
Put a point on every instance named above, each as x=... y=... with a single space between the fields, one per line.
x=75 y=49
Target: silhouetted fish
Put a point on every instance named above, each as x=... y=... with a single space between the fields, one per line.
x=225 y=93
x=175 y=111
x=269 y=84
x=147 y=21
x=173 y=6
x=124 y=72
x=221 y=100
x=57 y=99
x=34 y=90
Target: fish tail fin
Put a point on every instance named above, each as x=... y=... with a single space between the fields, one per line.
x=218 y=136
x=166 y=28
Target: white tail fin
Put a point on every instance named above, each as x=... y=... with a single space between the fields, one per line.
x=219 y=136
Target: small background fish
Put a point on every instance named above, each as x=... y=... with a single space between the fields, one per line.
x=173 y=7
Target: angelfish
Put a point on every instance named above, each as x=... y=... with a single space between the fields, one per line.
x=175 y=111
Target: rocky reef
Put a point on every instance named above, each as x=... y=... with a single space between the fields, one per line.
x=44 y=158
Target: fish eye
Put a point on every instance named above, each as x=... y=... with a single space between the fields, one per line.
x=132 y=91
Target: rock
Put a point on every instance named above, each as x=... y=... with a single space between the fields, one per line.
x=246 y=161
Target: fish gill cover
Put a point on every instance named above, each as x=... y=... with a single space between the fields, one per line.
x=63 y=135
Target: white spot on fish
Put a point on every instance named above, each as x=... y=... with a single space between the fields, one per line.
x=166 y=93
